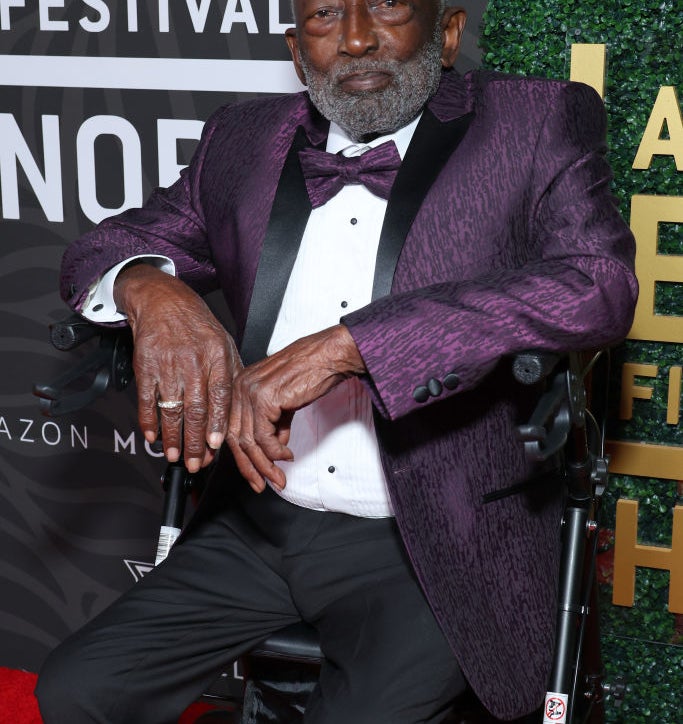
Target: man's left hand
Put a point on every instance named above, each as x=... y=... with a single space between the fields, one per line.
x=266 y=395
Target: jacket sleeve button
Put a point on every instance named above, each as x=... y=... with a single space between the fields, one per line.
x=421 y=394
x=434 y=387
x=451 y=381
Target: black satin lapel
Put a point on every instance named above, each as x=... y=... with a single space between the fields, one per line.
x=288 y=218
x=431 y=146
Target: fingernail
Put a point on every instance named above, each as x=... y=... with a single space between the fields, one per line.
x=193 y=464
x=277 y=482
x=215 y=440
x=173 y=454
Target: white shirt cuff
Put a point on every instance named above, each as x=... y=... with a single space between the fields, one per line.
x=100 y=306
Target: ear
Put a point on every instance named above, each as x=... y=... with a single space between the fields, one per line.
x=293 y=45
x=452 y=25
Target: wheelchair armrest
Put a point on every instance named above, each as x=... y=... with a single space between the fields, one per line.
x=109 y=365
x=561 y=407
x=548 y=428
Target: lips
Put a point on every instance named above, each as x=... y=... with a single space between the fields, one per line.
x=368 y=80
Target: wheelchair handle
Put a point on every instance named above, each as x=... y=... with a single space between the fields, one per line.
x=71 y=332
x=532 y=367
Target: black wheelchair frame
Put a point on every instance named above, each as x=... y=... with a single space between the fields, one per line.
x=560 y=424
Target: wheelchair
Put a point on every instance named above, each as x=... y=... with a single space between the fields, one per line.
x=281 y=671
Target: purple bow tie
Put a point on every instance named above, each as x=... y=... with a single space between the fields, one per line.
x=327 y=173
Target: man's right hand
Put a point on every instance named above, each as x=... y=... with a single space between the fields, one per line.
x=181 y=353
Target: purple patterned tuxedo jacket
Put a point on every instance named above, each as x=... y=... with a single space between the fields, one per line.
x=500 y=235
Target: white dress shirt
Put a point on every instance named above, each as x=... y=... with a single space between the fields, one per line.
x=336 y=462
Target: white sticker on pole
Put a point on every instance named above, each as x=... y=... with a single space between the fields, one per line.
x=167 y=537
x=555 y=709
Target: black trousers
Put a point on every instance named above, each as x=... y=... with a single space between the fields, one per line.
x=246 y=572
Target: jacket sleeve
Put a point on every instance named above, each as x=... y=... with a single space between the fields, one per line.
x=170 y=224
x=578 y=292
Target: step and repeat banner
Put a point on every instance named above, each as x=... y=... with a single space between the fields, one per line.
x=632 y=53
x=100 y=102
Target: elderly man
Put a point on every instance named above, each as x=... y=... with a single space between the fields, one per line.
x=385 y=242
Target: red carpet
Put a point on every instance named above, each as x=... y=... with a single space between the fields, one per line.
x=19 y=706
x=17 y=703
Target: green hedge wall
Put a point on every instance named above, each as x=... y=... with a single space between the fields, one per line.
x=644 y=41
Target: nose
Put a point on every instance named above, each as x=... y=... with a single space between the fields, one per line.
x=357 y=36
